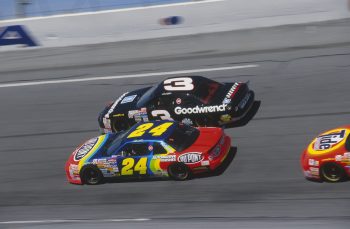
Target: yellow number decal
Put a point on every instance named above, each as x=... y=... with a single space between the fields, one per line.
x=156 y=131
x=140 y=130
x=141 y=166
x=127 y=164
x=159 y=130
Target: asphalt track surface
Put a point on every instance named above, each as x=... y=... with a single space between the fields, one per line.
x=303 y=91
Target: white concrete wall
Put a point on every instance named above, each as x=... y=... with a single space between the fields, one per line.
x=198 y=17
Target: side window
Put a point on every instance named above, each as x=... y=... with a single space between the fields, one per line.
x=135 y=149
x=158 y=149
x=190 y=100
x=163 y=101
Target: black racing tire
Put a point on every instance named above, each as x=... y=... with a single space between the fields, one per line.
x=120 y=125
x=91 y=175
x=179 y=172
x=332 y=172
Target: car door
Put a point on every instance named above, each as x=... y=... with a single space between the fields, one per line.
x=161 y=159
x=161 y=108
x=135 y=158
x=187 y=109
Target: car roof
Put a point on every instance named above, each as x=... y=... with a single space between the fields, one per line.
x=158 y=89
x=146 y=135
x=196 y=80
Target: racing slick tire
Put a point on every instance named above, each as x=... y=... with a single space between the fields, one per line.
x=91 y=175
x=332 y=172
x=179 y=172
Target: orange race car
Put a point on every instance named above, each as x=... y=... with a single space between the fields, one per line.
x=327 y=158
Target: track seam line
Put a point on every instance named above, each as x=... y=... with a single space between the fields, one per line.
x=45 y=82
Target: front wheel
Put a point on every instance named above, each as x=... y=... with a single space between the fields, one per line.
x=91 y=175
x=332 y=172
x=179 y=172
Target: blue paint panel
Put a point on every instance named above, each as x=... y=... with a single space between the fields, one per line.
x=16 y=35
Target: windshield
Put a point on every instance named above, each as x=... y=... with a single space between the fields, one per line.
x=149 y=94
x=112 y=148
x=205 y=90
x=182 y=137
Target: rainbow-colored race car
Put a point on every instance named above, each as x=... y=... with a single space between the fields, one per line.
x=151 y=149
x=327 y=158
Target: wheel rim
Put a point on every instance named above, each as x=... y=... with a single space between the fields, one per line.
x=332 y=173
x=92 y=176
x=179 y=172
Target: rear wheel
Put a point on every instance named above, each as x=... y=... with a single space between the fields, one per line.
x=179 y=171
x=91 y=175
x=332 y=172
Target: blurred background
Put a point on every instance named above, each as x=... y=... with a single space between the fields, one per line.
x=61 y=61
x=31 y=8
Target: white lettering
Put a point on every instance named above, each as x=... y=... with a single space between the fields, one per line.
x=200 y=110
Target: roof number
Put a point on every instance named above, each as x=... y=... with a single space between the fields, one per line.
x=179 y=84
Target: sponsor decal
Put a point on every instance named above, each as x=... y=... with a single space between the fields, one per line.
x=150 y=148
x=244 y=101
x=74 y=171
x=187 y=121
x=346 y=158
x=190 y=158
x=204 y=163
x=99 y=161
x=338 y=158
x=178 y=101
x=200 y=110
x=226 y=101
x=111 y=109
x=16 y=35
x=84 y=149
x=313 y=162
x=106 y=119
x=314 y=171
x=327 y=141
x=230 y=93
x=225 y=118
x=118 y=115
x=139 y=115
x=128 y=99
x=165 y=158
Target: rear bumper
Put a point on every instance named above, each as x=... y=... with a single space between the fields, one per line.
x=243 y=119
x=224 y=162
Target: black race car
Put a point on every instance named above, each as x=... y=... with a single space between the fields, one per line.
x=193 y=100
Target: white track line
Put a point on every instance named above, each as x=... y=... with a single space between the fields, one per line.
x=73 y=221
x=111 y=11
x=43 y=82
